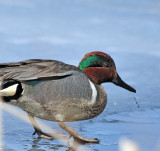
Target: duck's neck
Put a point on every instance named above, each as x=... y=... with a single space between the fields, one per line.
x=100 y=75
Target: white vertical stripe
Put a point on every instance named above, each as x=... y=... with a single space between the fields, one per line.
x=94 y=93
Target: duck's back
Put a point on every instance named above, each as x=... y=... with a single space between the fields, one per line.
x=35 y=69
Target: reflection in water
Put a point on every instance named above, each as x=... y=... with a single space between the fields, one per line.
x=37 y=143
x=71 y=145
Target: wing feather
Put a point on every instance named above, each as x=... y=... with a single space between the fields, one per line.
x=36 y=69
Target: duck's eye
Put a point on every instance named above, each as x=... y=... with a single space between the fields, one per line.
x=10 y=89
x=95 y=61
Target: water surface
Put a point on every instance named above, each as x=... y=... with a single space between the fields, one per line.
x=66 y=30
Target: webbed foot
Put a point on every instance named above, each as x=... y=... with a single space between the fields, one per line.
x=42 y=134
x=76 y=136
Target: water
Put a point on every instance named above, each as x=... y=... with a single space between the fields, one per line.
x=66 y=30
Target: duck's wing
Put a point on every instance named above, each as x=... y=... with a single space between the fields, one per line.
x=36 y=69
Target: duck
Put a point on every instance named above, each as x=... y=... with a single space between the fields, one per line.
x=59 y=92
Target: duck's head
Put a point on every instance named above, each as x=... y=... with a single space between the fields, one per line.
x=100 y=67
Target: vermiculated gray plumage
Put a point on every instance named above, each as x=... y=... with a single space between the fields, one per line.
x=62 y=91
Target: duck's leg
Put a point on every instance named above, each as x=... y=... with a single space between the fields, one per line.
x=76 y=136
x=37 y=128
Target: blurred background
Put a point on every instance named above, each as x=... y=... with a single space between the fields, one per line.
x=66 y=30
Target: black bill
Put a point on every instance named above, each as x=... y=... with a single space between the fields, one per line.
x=119 y=82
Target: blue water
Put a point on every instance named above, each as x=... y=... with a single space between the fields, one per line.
x=66 y=30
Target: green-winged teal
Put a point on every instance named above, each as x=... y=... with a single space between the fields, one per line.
x=55 y=91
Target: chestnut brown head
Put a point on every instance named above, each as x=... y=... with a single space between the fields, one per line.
x=100 y=68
